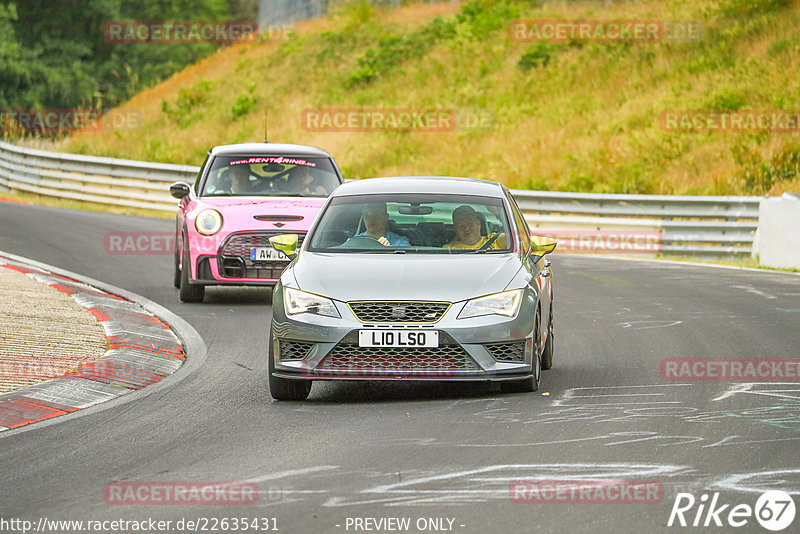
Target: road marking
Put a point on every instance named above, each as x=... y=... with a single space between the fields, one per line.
x=754 y=291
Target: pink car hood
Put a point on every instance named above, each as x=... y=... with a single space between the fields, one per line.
x=238 y=213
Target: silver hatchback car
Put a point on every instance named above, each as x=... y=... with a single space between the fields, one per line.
x=413 y=278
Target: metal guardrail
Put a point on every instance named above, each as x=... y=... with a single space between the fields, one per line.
x=705 y=226
x=118 y=182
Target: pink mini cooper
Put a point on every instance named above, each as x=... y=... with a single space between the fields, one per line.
x=243 y=195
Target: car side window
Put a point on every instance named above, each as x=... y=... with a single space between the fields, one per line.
x=203 y=169
x=522 y=225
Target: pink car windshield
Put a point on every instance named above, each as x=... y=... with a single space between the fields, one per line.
x=270 y=176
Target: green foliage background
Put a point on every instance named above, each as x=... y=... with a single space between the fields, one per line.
x=565 y=116
x=53 y=53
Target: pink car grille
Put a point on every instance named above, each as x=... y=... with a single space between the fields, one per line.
x=240 y=244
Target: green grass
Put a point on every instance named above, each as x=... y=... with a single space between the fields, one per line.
x=565 y=116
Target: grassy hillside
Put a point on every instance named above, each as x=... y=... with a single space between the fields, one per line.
x=572 y=117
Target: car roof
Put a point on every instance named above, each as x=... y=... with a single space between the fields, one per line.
x=420 y=184
x=267 y=149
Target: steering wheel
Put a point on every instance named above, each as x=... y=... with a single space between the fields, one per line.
x=367 y=242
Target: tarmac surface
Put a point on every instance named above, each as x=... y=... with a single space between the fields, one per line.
x=432 y=450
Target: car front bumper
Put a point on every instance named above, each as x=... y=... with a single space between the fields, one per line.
x=311 y=347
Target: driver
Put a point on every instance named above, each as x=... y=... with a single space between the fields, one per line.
x=467 y=224
x=376 y=217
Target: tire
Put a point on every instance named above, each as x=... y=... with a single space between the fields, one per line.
x=189 y=292
x=176 y=277
x=530 y=384
x=547 y=355
x=284 y=389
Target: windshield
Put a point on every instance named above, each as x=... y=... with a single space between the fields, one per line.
x=412 y=223
x=270 y=176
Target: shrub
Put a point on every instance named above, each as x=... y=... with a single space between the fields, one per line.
x=187 y=101
x=760 y=173
x=393 y=50
x=538 y=54
x=242 y=106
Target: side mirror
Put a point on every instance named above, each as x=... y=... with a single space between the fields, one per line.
x=286 y=243
x=179 y=190
x=541 y=245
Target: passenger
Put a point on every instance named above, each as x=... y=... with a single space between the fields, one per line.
x=240 y=179
x=302 y=182
x=467 y=224
x=376 y=217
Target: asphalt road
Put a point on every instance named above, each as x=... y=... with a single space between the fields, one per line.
x=427 y=451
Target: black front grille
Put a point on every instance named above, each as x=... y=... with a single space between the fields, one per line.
x=293 y=350
x=232 y=268
x=398 y=312
x=348 y=356
x=507 y=352
x=400 y=360
x=204 y=268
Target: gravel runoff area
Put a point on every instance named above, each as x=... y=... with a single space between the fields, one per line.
x=44 y=333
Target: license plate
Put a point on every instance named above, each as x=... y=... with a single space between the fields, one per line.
x=398 y=338
x=266 y=254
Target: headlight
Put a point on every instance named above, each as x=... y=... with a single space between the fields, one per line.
x=208 y=222
x=505 y=303
x=296 y=301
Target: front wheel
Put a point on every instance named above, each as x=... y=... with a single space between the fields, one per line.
x=547 y=355
x=283 y=388
x=530 y=384
x=176 y=273
x=189 y=292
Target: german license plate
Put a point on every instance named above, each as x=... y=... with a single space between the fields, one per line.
x=266 y=254
x=398 y=338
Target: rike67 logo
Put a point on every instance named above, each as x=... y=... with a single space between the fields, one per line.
x=774 y=510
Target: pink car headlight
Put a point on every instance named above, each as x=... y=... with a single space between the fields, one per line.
x=208 y=222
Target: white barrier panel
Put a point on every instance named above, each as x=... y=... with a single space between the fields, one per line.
x=778 y=243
